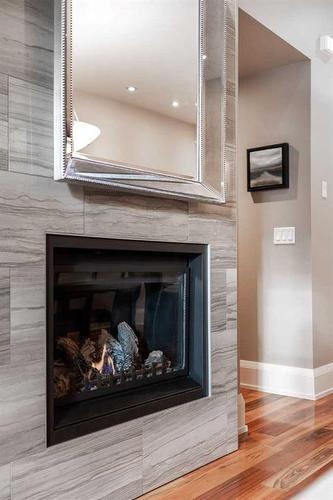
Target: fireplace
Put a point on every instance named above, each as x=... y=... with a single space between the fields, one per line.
x=127 y=331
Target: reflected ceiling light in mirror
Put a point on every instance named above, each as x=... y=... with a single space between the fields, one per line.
x=204 y=57
x=84 y=134
x=175 y=104
x=131 y=88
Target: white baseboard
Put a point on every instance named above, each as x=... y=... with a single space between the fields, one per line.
x=243 y=430
x=323 y=380
x=305 y=383
x=242 y=427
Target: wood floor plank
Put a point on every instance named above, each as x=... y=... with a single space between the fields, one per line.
x=256 y=439
x=249 y=394
x=299 y=471
x=261 y=401
x=306 y=482
x=289 y=412
x=239 y=486
x=272 y=407
x=275 y=428
x=285 y=439
x=257 y=475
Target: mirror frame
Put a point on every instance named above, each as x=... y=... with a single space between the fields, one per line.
x=97 y=173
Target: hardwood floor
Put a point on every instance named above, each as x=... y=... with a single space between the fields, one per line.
x=290 y=443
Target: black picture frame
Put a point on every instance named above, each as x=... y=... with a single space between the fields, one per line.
x=266 y=180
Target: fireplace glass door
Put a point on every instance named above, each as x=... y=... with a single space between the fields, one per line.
x=118 y=328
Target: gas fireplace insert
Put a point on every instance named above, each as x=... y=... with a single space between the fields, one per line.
x=127 y=330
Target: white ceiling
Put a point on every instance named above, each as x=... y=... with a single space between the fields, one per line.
x=151 y=44
x=260 y=49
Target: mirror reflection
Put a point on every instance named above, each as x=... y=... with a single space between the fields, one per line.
x=135 y=79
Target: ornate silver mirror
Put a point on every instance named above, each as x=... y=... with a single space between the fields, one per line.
x=141 y=85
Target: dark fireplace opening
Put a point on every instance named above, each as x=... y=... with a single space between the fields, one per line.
x=127 y=330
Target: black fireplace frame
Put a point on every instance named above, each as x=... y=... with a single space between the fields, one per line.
x=134 y=402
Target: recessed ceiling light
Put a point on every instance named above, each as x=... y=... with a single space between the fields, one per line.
x=175 y=104
x=131 y=88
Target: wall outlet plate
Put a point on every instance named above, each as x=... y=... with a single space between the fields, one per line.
x=326 y=45
x=284 y=236
x=324 y=189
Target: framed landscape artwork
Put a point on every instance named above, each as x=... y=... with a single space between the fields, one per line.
x=268 y=167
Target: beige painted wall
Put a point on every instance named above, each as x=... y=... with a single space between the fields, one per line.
x=275 y=321
x=137 y=136
x=301 y=22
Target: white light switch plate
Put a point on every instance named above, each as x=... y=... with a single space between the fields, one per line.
x=284 y=236
x=324 y=189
